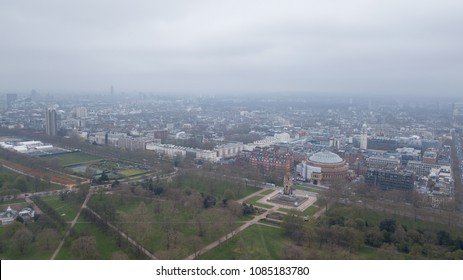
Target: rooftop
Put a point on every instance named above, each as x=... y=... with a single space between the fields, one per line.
x=325 y=157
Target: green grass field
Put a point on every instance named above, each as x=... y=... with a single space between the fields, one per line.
x=155 y=231
x=105 y=245
x=267 y=192
x=284 y=210
x=257 y=242
x=13 y=202
x=132 y=172
x=67 y=209
x=253 y=200
x=299 y=187
x=216 y=187
x=311 y=210
x=266 y=206
x=74 y=158
x=303 y=188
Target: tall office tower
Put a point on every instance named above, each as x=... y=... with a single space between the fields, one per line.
x=51 y=125
x=364 y=137
x=81 y=112
x=10 y=99
x=457 y=113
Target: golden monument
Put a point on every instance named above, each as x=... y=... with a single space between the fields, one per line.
x=288 y=183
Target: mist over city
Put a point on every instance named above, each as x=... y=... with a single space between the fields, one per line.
x=225 y=130
x=385 y=47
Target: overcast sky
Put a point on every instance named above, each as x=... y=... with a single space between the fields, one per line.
x=371 y=46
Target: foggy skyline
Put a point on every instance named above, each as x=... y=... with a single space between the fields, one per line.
x=379 y=47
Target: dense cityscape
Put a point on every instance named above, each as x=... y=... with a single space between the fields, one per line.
x=122 y=161
x=236 y=138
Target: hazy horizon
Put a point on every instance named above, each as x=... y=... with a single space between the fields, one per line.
x=240 y=47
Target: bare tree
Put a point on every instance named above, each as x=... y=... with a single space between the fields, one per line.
x=22 y=239
x=141 y=223
x=84 y=247
x=47 y=238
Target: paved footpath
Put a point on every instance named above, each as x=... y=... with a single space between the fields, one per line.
x=247 y=224
x=251 y=195
x=73 y=223
x=133 y=242
x=229 y=235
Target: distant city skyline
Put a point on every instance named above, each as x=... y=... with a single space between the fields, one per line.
x=217 y=47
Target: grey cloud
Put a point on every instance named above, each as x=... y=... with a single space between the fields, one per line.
x=224 y=46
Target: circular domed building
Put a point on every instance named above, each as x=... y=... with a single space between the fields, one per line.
x=324 y=168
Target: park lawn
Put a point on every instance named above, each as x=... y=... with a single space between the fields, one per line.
x=284 y=210
x=267 y=192
x=14 y=203
x=132 y=172
x=67 y=209
x=314 y=190
x=253 y=200
x=311 y=210
x=246 y=218
x=105 y=245
x=303 y=188
x=75 y=158
x=32 y=251
x=270 y=223
x=299 y=187
x=266 y=206
x=258 y=242
x=156 y=237
x=125 y=204
x=215 y=186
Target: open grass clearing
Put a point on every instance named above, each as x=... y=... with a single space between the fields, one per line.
x=6 y=203
x=163 y=218
x=74 y=158
x=67 y=209
x=299 y=187
x=285 y=210
x=214 y=186
x=132 y=172
x=267 y=192
x=258 y=242
x=311 y=210
x=105 y=245
x=266 y=206
x=253 y=200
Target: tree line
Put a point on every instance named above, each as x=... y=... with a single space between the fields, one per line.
x=344 y=231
